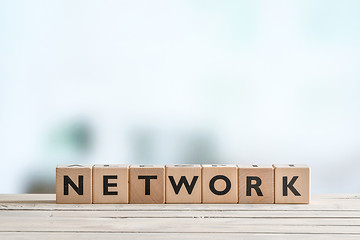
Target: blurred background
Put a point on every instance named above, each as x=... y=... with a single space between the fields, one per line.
x=163 y=82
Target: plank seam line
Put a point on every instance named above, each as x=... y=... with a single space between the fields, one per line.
x=178 y=210
x=135 y=232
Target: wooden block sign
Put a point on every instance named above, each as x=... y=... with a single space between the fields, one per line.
x=110 y=183
x=147 y=184
x=292 y=183
x=256 y=184
x=74 y=184
x=219 y=183
x=183 y=183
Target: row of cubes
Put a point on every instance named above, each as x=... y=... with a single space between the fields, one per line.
x=121 y=184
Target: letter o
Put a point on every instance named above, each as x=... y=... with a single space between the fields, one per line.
x=212 y=183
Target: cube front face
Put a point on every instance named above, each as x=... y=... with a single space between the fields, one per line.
x=147 y=184
x=74 y=184
x=110 y=183
x=292 y=183
x=219 y=184
x=256 y=184
x=183 y=183
x=86 y=184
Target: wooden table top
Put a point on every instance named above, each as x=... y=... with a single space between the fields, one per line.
x=36 y=216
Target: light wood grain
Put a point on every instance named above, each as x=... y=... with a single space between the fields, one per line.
x=117 y=177
x=201 y=236
x=47 y=202
x=214 y=189
x=192 y=175
x=181 y=214
x=38 y=217
x=298 y=173
x=75 y=174
x=177 y=225
x=144 y=190
x=264 y=174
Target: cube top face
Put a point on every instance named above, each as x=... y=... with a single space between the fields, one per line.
x=219 y=183
x=255 y=166
x=183 y=166
x=147 y=184
x=147 y=166
x=111 y=166
x=292 y=183
x=256 y=184
x=219 y=166
x=290 y=166
x=74 y=166
x=183 y=184
x=110 y=183
x=74 y=183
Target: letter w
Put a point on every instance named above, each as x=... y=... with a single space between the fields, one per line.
x=184 y=181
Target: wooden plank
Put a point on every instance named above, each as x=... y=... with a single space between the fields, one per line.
x=27 y=198
x=50 y=198
x=36 y=216
x=179 y=225
x=200 y=236
x=47 y=202
x=179 y=214
x=324 y=206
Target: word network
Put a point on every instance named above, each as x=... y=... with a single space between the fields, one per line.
x=215 y=183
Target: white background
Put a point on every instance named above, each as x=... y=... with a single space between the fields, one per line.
x=258 y=81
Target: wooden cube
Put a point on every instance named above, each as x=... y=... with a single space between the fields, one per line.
x=292 y=183
x=110 y=183
x=219 y=184
x=256 y=184
x=74 y=183
x=183 y=183
x=147 y=184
